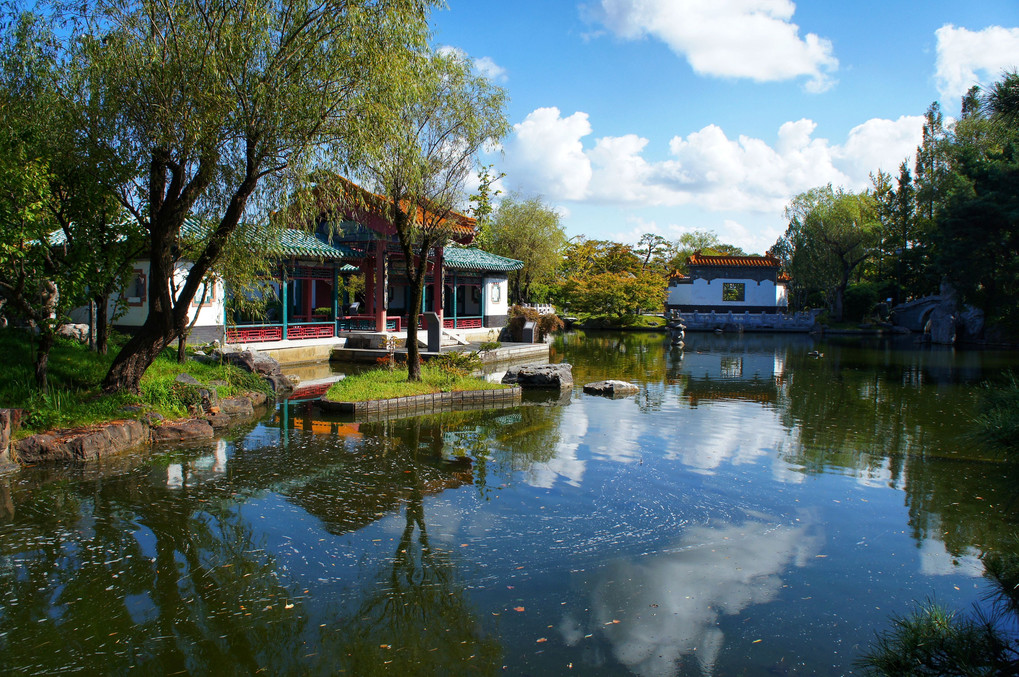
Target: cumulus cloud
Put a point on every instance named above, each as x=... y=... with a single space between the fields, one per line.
x=752 y=39
x=546 y=155
x=705 y=168
x=965 y=57
x=490 y=69
x=485 y=65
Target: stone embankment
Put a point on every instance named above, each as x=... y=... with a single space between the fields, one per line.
x=141 y=427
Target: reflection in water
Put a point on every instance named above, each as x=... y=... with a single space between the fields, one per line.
x=657 y=609
x=447 y=543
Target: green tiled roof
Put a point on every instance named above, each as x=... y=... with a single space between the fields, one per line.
x=297 y=243
x=471 y=258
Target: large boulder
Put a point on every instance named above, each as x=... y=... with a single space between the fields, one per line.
x=611 y=388
x=970 y=323
x=541 y=376
x=76 y=332
x=264 y=366
x=182 y=431
x=81 y=445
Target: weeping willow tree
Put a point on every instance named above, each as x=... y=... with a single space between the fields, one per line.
x=439 y=115
x=220 y=110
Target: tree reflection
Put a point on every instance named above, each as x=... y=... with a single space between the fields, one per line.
x=415 y=618
x=137 y=575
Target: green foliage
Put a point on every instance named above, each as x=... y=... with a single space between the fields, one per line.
x=998 y=420
x=531 y=231
x=489 y=345
x=619 y=296
x=74 y=398
x=936 y=641
x=831 y=232
x=457 y=363
x=860 y=301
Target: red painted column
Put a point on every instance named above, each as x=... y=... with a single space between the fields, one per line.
x=381 y=285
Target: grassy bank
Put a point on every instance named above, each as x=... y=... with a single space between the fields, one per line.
x=383 y=384
x=75 y=373
x=630 y=322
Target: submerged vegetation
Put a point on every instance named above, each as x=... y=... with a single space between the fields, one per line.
x=75 y=399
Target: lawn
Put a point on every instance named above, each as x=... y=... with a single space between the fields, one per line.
x=384 y=383
x=75 y=373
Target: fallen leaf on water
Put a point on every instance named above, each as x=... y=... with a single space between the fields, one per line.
x=755 y=641
x=542 y=639
x=518 y=608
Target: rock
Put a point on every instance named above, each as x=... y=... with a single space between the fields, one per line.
x=219 y=421
x=264 y=366
x=541 y=376
x=257 y=399
x=611 y=388
x=970 y=323
x=188 y=379
x=182 y=431
x=210 y=399
x=77 y=332
x=236 y=407
x=941 y=326
x=81 y=445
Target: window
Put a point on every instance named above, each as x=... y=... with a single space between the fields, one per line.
x=135 y=291
x=734 y=291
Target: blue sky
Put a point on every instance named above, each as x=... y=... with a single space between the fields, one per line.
x=667 y=116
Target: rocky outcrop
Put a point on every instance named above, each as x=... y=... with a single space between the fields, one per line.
x=541 y=376
x=264 y=366
x=182 y=431
x=82 y=444
x=611 y=388
x=87 y=443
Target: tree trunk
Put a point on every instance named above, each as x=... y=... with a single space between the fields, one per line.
x=102 y=324
x=136 y=356
x=42 y=356
x=413 y=314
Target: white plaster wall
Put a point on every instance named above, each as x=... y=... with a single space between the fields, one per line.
x=209 y=314
x=782 y=295
x=704 y=293
x=500 y=307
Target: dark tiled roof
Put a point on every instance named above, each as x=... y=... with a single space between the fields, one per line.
x=766 y=261
x=470 y=258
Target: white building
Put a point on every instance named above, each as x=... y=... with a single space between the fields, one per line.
x=726 y=284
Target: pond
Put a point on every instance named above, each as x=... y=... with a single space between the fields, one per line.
x=754 y=510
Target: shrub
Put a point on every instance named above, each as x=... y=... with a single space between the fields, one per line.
x=457 y=363
x=543 y=324
x=859 y=301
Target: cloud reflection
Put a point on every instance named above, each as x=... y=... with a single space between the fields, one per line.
x=655 y=610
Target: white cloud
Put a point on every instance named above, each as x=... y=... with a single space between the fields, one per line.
x=490 y=69
x=752 y=39
x=485 y=65
x=546 y=156
x=707 y=168
x=966 y=57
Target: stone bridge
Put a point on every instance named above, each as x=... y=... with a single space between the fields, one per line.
x=914 y=314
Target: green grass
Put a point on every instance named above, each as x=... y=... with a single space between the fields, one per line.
x=75 y=373
x=384 y=384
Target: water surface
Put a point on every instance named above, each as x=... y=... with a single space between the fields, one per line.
x=752 y=511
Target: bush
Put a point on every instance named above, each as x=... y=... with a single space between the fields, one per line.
x=543 y=324
x=859 y=301
x=457 y=363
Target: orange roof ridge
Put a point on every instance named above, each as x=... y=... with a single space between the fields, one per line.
x=766 y=261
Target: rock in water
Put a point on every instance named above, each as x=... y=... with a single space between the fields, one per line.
x=611 y=388
x=541 y=376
